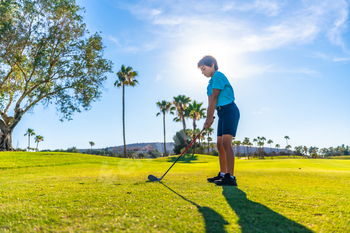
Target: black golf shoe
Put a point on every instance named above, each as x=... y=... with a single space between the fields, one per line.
x=227 y=181
x=218 y=177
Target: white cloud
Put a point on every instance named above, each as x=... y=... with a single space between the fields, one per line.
x=261 y=111
x=188 y=29
x=159 y=77
x=114 y=40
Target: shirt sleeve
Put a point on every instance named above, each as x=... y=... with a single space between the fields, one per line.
x=218 y=82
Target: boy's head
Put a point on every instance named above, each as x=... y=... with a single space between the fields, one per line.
x=208 y=61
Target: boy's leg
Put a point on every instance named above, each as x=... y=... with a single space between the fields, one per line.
x=229 y=154
x=222 y=155
x=230 y=162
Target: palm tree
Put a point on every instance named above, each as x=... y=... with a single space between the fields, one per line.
x=255 y=141
x=238 y=143
x=305 y=150
x=126 y=77
x=165 y=107
x=212 y=146
x=208 y=132
x=246 y=143
x=324 y=152
x=180 y=102
x=250 y=148
x=277 y=147
x=38 y=139
x=288 y=148
x=261 y=144
x=263 y=139
x=30 y=132
x=91 y=144
x=287 y=138
x=270 y=142
x=196 y=112
x=201 y=138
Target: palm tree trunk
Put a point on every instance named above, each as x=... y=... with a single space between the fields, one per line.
x=184 y=129
x=194 y=135
x=208 y=144
x=165 y=152
x=28 y=141
x=124 y=120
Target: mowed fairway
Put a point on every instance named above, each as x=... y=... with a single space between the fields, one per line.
x=62 y=192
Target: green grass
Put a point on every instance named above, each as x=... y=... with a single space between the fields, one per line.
x=62 y=192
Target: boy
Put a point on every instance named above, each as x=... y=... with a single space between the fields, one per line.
x=221 y=97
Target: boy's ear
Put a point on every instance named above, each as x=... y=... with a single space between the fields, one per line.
x=212 y=65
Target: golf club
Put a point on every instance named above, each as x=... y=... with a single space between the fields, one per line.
x=153 y=178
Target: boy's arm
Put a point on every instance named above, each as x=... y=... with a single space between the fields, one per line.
x=212 y=100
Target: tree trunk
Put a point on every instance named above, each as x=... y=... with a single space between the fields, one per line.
x=124 y=120
x=208 y=144
x=184 y=128
x=6 y=140
x=165 y=152
x=6 y=126
x=194 y=135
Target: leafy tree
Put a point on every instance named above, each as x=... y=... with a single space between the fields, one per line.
x=165 y=107
x=126 y=77
x=38 y=139
x=180 y=102
x=196 y=112
x=46 y=56
x=30 y=132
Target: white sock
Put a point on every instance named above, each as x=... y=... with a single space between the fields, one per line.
x=222 y=174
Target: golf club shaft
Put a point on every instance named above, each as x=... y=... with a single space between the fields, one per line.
x=183 y=153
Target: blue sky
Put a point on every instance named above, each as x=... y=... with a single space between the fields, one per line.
x=288 y=62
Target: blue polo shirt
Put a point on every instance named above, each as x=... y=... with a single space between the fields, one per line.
x=219 y=81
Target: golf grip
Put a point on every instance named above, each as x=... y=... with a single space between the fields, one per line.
x=182 y=153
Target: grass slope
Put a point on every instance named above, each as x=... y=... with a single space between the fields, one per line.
x=62 y=192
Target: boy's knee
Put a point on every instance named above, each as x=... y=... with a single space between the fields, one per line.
x=220 y=145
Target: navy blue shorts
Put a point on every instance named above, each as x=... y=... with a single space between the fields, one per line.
x=228 y=119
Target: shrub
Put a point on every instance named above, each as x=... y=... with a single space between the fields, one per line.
x=154 y=153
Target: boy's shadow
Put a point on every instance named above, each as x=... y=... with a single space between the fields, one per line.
x=255 y=217
x=214 y=222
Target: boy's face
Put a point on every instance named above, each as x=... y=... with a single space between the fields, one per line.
x=207 y=71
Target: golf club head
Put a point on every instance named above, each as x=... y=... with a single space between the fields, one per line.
x=153 y=178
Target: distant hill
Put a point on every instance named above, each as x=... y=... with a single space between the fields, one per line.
x=156 y=146
x=170 y=146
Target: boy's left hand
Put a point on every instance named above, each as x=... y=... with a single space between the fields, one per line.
x=209 y=121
